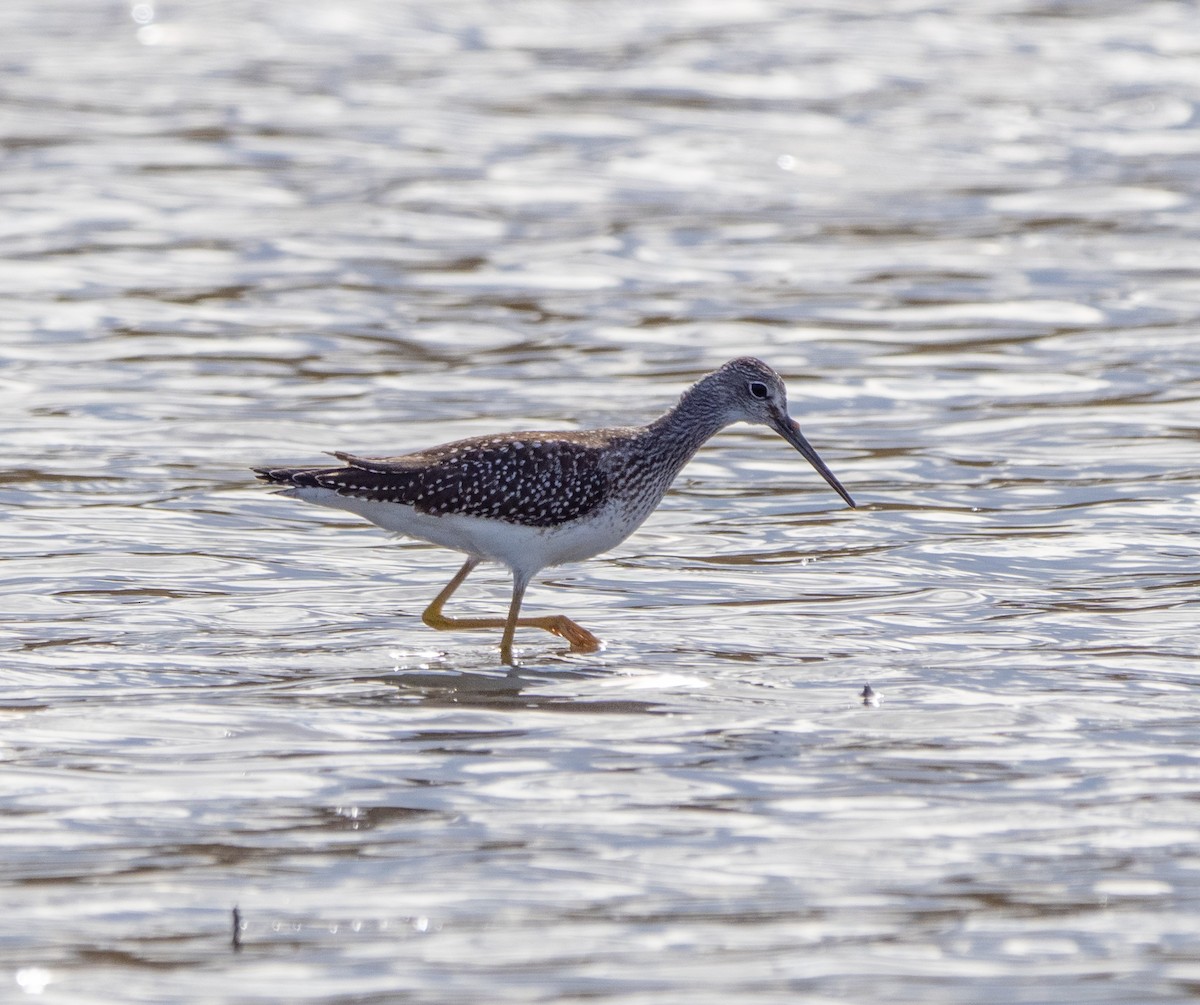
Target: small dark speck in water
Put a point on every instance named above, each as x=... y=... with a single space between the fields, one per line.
x=869 y=697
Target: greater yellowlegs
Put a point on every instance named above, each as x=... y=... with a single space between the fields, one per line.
x=534 y=499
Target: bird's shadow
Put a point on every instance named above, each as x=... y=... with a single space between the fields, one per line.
x=480 y=682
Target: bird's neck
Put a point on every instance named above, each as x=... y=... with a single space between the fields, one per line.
x=676 y=436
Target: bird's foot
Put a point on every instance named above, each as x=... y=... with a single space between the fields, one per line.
x=582 y=641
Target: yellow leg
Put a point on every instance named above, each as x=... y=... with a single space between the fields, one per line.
x=433 y=616
x=582 y=641
x=556 y=624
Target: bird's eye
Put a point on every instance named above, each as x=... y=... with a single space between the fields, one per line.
x=758 y=389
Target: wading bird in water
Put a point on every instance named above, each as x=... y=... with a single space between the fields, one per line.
x=534 y=499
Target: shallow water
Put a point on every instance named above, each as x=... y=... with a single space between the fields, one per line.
x=243 y=233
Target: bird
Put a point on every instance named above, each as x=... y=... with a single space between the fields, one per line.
x=533 y=499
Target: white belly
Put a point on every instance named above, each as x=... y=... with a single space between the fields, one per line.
x=521 y=548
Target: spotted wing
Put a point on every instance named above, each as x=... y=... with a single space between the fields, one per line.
x=538 y=480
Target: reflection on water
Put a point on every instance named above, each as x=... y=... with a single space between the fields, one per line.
x=240 y=233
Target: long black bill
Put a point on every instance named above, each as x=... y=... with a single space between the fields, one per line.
x=787 y=427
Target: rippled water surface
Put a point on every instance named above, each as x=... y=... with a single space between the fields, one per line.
x=242 y=232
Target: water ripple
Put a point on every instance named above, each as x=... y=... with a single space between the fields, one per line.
x=240 y=233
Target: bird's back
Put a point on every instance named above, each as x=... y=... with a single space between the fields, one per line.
x=534 y=479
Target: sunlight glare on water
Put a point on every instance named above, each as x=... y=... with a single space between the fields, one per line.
x=940 y=748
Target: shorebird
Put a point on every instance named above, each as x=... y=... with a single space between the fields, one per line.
x=529 y=500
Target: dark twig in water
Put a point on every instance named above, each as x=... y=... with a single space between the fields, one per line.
x=237 y=930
